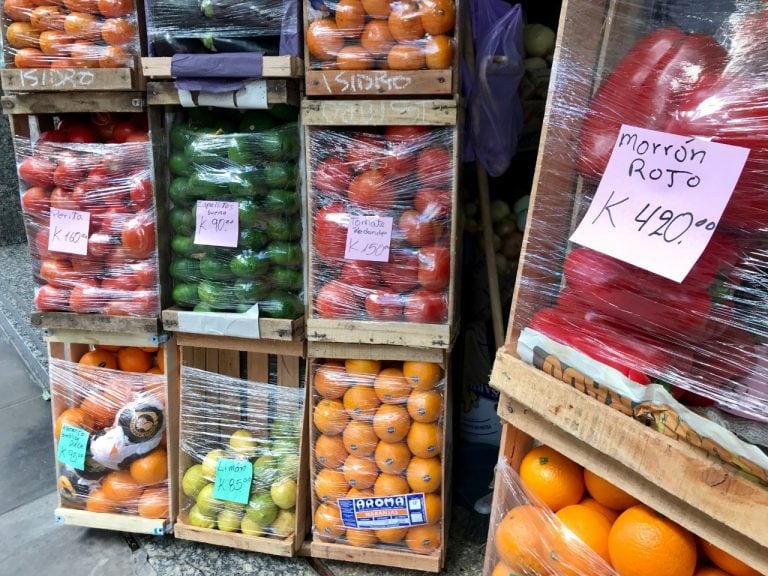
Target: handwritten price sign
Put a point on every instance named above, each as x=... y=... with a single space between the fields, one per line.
x=69 y=231
x=233 y=480
x=73 y=442
x=368 y=238
x=216 y=223
x=660 y=200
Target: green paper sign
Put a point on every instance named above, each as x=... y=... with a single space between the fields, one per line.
x=233 y=480
x=72 y=444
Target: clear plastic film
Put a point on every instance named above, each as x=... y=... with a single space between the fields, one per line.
x=89 y=210
x=688 y=71
x=381 y=216
x=239 y=454
x=371 y=34
x=109 y=430
x=70 y=34
x=244 y=249
x=377 y=454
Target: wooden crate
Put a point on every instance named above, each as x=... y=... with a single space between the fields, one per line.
x=57 y=80
x=219 y=324
x=392 y=557
x=275 y=362
x=689 y=486
x=331 y=82
x=346 y=113
x=71 y=347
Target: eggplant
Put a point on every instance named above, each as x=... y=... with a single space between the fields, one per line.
x=268 y=45
x=168 y=45
x=242 y=12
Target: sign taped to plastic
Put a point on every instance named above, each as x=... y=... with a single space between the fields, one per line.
x=401 y=511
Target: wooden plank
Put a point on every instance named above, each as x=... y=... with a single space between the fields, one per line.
x=96 y=322
x=269 y=328
x=378 y=351
x=387 y=333
x=66 y=79
x=376 y=556
x=278 y=92
x=694 y=489
x=172 y=410
x=272 y=67
x=383 y=83
x=379 y=112
x=118 y=522
x=53 y=103
x=258 y=367
x=263 y=545
x=289 y=348
x=288 y=371
x=107 y=338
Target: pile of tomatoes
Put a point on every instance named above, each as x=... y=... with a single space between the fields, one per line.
x=368 y=34
x=404 y=173
x=71 y=33
x=100 y=165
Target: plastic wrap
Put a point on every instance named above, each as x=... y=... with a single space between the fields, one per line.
x=110 y=432
x=250 y=161
x=90 y=217
x=70 y=34
x=650 y=339
x=231 y=424
x=377 y=463
x=381 y=215
x=371 y=34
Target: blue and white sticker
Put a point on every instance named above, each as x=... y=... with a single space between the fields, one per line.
x=401 y=511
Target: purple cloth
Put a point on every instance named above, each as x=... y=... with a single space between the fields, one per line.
x=212 y=85
x=290 y=36
x=226 y=65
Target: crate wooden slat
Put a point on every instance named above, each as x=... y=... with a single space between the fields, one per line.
x=95 y=323
x=269 y=328
x=380 y=112
x=117 y=522
x=51 y=103
x=68 y=79
x=278 y=92
x=159 y=68
x=685 y=484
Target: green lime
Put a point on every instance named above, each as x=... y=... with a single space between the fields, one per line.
x=240 y=150
x=288 y=279
x=185 y=269
x=182 y=220
x=185 y=295
x=282 y=201
x=179 y=192
x=256 y=121
x=179 y=164
x=252 y=238
x=280 y=174
x=249 y=264
x=281 y=305
x=280 y=228
x=203 y=307
x=251 y=291
x=248 y=184
x=251 y=214
x=285 y=254
x=280 y=143
x=184 y=245
x=215 y=268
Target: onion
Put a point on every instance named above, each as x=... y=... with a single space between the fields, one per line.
x=539 y=40
x=499 y=210
x=512 y=245
x=535 y=63
x=505 y=227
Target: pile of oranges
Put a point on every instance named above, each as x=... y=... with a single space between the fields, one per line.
x=377 y=432
x=394 y=35
x=629 y=537
x=140 y=486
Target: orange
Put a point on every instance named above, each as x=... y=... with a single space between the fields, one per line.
x=102 y=407
x=391 y=423
x=502 y=569
x=160 y=360
x=328 y=522
x=133 y=360
x=329 y=451
x=725 y=561
x=391 y=386
x=405 y=22
x=99 y=359
x=424 y=440
x=363 y=367
x=330 y=417
x=150 y=349
x=360 y=473
x=354 y=58
x=392 y=457
x=522 y=539
x=422 y=375
x=120 y=487
x=106 y=347
x=376 y=38
x=98 y=502
x=359 y=438
x=424 y=474
x=361 y=402
x=323 y=39
x=355 y=493
x=377 y=8
x=438 y=52
x=423 y=539
x=150 y=469
x=553 y=478
x=433 y=506
x=155 y=370
x=74 y=417
x=425 y=405
x=391 y=535
x=154 y=502
x=606 y=493
x=350 y=18
x=438 y=16
x=709 y=571
x=331 y=380
x=609 y=514
x=390 y=485
x=589 y=525
x=330 y=485
x=406 y=57
x=361 y=538
x=644 y=542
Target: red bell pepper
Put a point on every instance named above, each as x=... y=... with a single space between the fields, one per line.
x=645 y=88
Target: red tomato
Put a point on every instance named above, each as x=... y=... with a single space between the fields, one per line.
x=434 y=267
x=57 y=273
x=120 y=258
x=82 y=134
x=426 y=307
x=100 y=244
x=41 y=246
x=360 y=273
x=137 y=136
x=115 y=8
x=399 y=160
x=56 y=136
x=35 y=201
x=122 y=282
x=81 y=195
x=382 y=305
x=433 y=203
x=330 y=231
x=37 y=171
x=71 y=120
x=336 y=300
x=145 y=273
x=69 y=171
x=50 y=299
x=417 y=230
x=372 y=189
x=98 y=177
x=114 y=219
x=364 y=151
x=138 y=303
x=87 y=266
x=410 y=134
x=104 y=122
x=434 y=167
x=87 y=298
x=141 y=193
x=138 y=236
x=401 y=273
x=332 y=176
x=121 y=131
x=64 y=199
